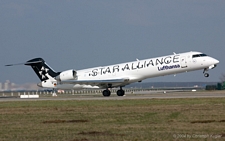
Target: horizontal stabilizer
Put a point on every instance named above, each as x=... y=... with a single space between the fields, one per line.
x=34 y=62
x=15 y=64
x=26 y=63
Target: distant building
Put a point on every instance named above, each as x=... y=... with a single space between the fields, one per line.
x=7 y=85
x=1 y=88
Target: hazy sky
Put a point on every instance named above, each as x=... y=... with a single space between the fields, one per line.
x=77 y=34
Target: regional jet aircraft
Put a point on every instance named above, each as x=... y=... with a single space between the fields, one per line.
x=119 y=75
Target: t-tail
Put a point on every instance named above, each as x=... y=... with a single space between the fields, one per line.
x=49 y=78
x=41 y=68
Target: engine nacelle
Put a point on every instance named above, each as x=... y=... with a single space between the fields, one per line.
x=67 y=75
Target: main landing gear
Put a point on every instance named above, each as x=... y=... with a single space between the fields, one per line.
x=107 y=92
x=120 y=92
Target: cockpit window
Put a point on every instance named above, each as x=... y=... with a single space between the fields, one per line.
x=203 y=55
x=194 y=56
x=198 y=55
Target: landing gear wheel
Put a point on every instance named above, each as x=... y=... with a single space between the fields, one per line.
x=106 y=93
x=206 y=75
x=120 y=92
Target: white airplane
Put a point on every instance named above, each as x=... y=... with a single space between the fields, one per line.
x=119 y=75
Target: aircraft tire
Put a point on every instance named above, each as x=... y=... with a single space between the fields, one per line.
x=206 y=75
x=120 y=92
x=106 y=93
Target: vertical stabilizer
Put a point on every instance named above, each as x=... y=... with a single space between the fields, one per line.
x=41 y=68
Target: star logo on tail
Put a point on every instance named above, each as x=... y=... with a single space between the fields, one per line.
x=43 y=72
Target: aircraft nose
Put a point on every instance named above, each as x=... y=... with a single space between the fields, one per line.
x=216 y=61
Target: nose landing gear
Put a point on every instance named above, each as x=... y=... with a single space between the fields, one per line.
x=206 y=74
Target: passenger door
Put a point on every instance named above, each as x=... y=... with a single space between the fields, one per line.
x=183 y=61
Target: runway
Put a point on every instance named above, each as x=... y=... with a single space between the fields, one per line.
x=139 y=95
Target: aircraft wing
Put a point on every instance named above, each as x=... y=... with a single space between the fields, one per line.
x=100 y=83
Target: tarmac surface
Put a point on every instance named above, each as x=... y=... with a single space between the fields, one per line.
x=136 y=95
